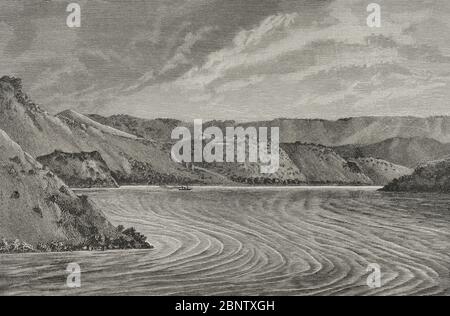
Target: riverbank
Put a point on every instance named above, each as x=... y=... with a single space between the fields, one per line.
x=229 y=187
x=127 y=239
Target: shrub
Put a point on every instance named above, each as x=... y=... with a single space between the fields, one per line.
x=38 y=211
x=15 y=195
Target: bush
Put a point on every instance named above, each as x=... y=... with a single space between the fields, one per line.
x=15 y=195
x=38 y=211
x=15 y=246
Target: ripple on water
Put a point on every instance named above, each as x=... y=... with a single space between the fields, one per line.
x=256 y=242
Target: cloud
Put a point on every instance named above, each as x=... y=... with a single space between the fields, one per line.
x=264 y=45
x=253 y=59
x=183 y=52
x=324 y=64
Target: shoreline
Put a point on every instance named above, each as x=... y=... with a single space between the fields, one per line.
x=75 y=252
x=14 y=247
x=231 y=187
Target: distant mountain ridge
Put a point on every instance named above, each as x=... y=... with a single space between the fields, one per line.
x=312 y=171
x=408 y=152
x=39 y=149
x=137 y=151
x=131 y=159
x=349 y=131
x=361 y=130
x=321 y=164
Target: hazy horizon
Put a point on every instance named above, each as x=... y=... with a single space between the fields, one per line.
x=276 y=118
x=246 y=60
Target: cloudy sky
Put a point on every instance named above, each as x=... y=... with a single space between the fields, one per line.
x=231 y=59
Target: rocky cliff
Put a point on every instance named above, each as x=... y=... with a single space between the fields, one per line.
x=37 y=208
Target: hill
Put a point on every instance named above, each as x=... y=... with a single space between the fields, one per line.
x=320 y=164
x=403 y=151
x=157 y=129
x=361 y=130
x=130 y=159
x=137 y=151
x=357 y=130
x=38 y=209
x=433 y=176
x=250 y=172
x=80 y=170
x=381 y=171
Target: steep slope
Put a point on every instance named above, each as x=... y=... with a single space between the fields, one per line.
x=320 y=164
x=250 y=172
x=37 y=132
x=37 y=207
x=140 y=159
x=86 y=123
x=80 y=169
x=403 y=151
x=379 y=171
x=288 y=173
x=157 y=129
x=130 y=159
x=433 y=176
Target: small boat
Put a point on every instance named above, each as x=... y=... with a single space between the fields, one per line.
x=185 y=188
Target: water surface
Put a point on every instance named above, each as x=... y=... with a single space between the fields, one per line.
x=265 y=241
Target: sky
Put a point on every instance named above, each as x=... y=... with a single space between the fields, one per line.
x=231 y=59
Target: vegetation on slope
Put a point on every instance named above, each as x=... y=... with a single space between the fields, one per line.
x=433 y=176
x=41 y=134
x=408 y=152
x=380 y=171
x=38 y=209
x=80 y=170
x=321 y=164
x=355 y=130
